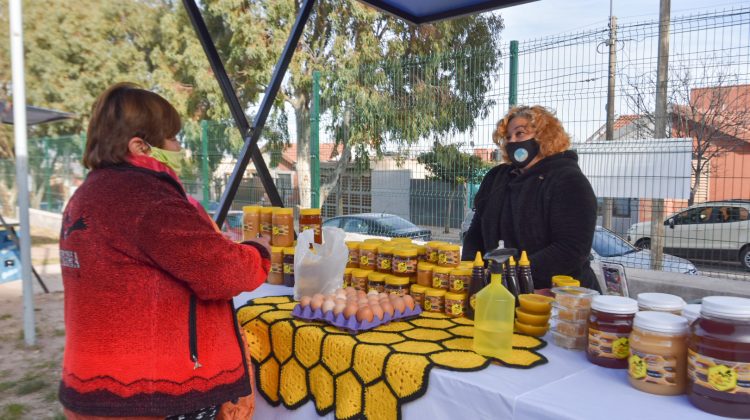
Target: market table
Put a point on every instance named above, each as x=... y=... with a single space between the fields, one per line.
x=568 y=387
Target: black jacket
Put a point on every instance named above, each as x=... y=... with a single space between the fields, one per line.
x=549 y=211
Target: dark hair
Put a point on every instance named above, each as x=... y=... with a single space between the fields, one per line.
x=122 y=112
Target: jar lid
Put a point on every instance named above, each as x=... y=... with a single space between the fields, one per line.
x=434 y=244
x=455 y=296
x=353 y=244
x=691 y=312
x=466 y=264
x=277 y=249
x=660 y=302
x=267 y=210
x=348 y=270
x=396 y=280
x=289 y=250
x=376 y=276
x=369 y=246
x=405 y=252
x=726 y=307
x=250 y=209
x=449 y=247
x=424 y=265
x=373 y=240
x=360 y=272
x=418 y=288
x=401 y=240
x=283 y=210
x=434 y=292
x=618 y=305
x=461 y=271
x=421 y=249
x=660 y=322
x=442 y=270
x=385 y=248
x=309 y=212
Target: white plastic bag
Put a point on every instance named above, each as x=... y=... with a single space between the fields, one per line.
x=320 y=270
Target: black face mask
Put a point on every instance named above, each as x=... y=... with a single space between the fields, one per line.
x=522 y=152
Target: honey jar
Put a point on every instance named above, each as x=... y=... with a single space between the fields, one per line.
x=276 y=273
x=455 y=304
x=459 y=280
x=395 y=285
x=384 y=257
x=360 y=278
x=658 y=353
x=282 y=227
x=376 y=281
x=368 y=255
x=424 y=273
x=441 y=277
x=417 y=292
x=250 y=222
x=610 y=324
x=434 y=300
x=288 y=266
x=353 y=261
x=405 y=261
x=310 y=219
x=449 y=255
x=266 y=222
x=431 y=251
x=348 y=277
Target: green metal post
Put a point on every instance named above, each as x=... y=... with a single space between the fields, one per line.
x=314 y=142
x=204 y=163
x=513 y=82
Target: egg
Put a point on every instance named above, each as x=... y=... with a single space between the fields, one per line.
x=364 y=314
x=372 y=292
x=363 y=302
x=350 y=310
x=399 y=305
x=328 y=305
x=409 y=301
x=387 y=308
x=377 y=312
x=316 y=302
x=361 y=294
x=350 y=289
x=339 y=307
x=340 y=294
x=305 y=301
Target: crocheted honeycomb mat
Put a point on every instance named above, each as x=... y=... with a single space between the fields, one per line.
x=368 y=375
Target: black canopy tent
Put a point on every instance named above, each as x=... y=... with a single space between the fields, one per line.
x=413 y=11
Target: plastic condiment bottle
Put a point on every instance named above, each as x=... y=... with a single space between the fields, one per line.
x=662 y=302
x=478 y=281
x=610 y=324
x=525 y=281
x=719 y=357
x=691 y=312
x=511 y=278
x=658 y=353
x=493 y=317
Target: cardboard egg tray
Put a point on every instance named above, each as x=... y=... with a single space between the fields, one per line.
x=351 y=324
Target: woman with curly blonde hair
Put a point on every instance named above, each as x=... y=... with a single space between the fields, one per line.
x=538 y=200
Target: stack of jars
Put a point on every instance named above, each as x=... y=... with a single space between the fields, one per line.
x=443 y=280
x=572 y=307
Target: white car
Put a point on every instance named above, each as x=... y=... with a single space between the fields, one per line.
x=711 y=231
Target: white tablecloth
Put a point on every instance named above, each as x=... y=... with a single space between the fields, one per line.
x=567 y=387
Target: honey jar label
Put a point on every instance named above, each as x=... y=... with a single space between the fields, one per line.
x=433 y=256
x=719 y=375
x=608 y=345
x=454 y=308
x=442 y=259
x=652 y=368
x=249 y=226
x=280 y=230
x=277 y=268
x=384 y=264
x=266 y=228
x=315 y=228
x=457 y=285
x=364 y=260
x=353 y=259
x=288 y=268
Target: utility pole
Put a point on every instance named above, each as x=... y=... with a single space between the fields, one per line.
x=660 y=130
x=608 y=202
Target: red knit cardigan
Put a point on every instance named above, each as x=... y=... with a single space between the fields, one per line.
x=150 y=327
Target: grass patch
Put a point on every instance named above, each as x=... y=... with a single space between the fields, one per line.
x=13 y=411
x=4 y=386
x=27 y=387
x=51 y=397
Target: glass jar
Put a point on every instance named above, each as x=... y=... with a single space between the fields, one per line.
x=417 y=292
x=431 y=250
x=662 y=302
x=276 y=273
x=266 y=222
x=449 y=255
x=384 y=258
x=282 y=230
x=353 y=261
x=421 y=253
x=405 y=261
x=719 y=357
x=360 y=278
x=367 y=255
x=250 y=222
x=376 y=281
x=455 y=304
x=441 y=277
x=459 y=280
x=348 y=277
x=434 y=300
x=310 y=219
x=424 y=273
x=395 y=285
x=288 y=266
x=658 y=353
x=610 y=324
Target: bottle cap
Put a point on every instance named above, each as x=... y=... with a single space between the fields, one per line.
x=660 y=302
x=618 y=305
x=660 y=322
x=478 y=260
x=726 y=307
x=524 y=261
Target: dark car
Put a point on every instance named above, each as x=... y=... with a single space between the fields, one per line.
x=379 y=224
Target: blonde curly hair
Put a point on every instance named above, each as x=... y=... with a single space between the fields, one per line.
x=550 y=133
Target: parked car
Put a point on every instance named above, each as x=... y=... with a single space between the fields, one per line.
x=609 y=247
x=711 y=231
x=379 y=224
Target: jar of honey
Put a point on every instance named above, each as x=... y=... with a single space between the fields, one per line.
x=417 y=292
x=441 y=277
x=288 y=267
x=431 y=250
x=376 y=281
x=266 y=221
x=610 y=324
x=658 y=353
x=250 y=222
x=455 y=304
x=662 y=302
x=459 y=280
x=360 y=278
x=405 y=261
x=395 y=285
x=276 y=273
x=311 y=219
x=348 y=277
x=353 y=261
x=368 y=255
x=282 y=229
x=424 y=273
x=434 y=300
x=384 y=257
x=719 y=357
x=421 y=253
x=449 y=255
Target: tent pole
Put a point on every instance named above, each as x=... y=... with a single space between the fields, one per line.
x=22 y=166
x=250 y=134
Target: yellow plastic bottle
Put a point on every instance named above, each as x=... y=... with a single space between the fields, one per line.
x=493 y=318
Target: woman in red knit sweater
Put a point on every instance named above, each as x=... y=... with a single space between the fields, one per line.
x=150 y=327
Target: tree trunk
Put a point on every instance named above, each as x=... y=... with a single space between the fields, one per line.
x=8 y=199
x=302 y=117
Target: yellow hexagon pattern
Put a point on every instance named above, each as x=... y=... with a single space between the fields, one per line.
x=367 y=375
